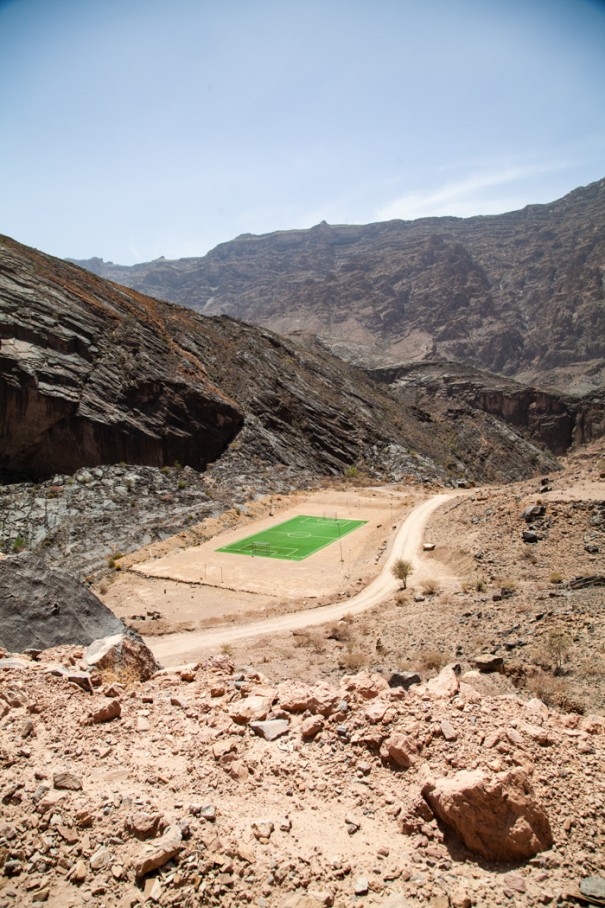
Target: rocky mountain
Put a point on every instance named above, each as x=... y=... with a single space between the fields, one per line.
x=96 y=378
x=92 y=373
x=520 y=293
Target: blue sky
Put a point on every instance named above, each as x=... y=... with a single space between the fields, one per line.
x=138 y=128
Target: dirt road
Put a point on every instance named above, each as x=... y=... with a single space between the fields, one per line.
x=177 y=648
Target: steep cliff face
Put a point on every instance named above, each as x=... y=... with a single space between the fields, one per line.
x=89 y=374
x=555 y=421
x=93 y=373
x=520 y=293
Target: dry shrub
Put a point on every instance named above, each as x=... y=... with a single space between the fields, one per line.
x=430 y=587
x=554 y=692
x=341 y=631
x=313 y=639
x=554 y=650
x=429 y=657
x=317 y=641
x=592 y=668
x=355 y=659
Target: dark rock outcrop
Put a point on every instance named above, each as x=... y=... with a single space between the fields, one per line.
x=90 y=374
x=41 y=608
x=556 y=421
x=519 y=293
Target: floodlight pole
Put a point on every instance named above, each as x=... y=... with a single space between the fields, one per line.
x=339 y=540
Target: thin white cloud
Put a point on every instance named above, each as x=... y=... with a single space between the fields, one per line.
x=465 y=197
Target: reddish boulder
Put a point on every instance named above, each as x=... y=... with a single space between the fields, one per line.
x=498 y=817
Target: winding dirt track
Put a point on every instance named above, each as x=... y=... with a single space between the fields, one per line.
x=178 y=648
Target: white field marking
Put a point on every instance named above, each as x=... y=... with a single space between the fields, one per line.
x=300 y=535
x=252 y=549
x=320 y=522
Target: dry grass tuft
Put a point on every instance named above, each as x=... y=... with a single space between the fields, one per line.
x=430 y=657
x=554 y=692
x=430 y=587
x=355 y=660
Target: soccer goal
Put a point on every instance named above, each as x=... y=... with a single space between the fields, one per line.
x=259 y=548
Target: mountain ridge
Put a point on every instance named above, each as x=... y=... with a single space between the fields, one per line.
x=519 y=293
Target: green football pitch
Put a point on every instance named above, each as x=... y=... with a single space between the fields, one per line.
x=295 y=539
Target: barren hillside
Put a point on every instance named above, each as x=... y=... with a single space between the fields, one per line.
x=518 y=293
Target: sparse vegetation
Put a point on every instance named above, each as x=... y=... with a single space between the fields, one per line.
x=556 y=577
x=401 y=570
x=554 y=692
x=558 y=644
x=430 y=586
x=354 y=660
x=507 y=587
x=113 y=559
x=18 y=545
x=314 y=639
x=430 y=657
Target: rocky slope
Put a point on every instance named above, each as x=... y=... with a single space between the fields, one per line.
x=90 y=373
x=217 y=787
x=556 y=421
x=519 y=293
x=40 y=608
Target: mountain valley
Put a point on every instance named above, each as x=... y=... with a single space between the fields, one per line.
x=318 y=733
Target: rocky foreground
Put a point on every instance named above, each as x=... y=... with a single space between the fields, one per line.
x=212 y=786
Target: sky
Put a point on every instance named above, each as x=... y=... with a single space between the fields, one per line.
x=132 y=129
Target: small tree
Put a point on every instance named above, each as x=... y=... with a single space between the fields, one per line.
x=402 y=570
x=558 y=644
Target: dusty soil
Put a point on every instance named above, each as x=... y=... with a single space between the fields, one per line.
x=482 y=589
x=179 y=586
x=509 y=598
x=328 y=818
x=296 y=822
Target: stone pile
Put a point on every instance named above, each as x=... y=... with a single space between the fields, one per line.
x=206 y=785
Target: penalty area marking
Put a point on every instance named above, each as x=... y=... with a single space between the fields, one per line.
x=314 y=533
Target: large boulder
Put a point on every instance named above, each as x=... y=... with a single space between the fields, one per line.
x=123 y=655
x=497 y=816
x=41 y=608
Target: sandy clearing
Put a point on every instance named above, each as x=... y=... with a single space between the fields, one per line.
x=175 y=648
x=183 y=584
x=324 y=574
